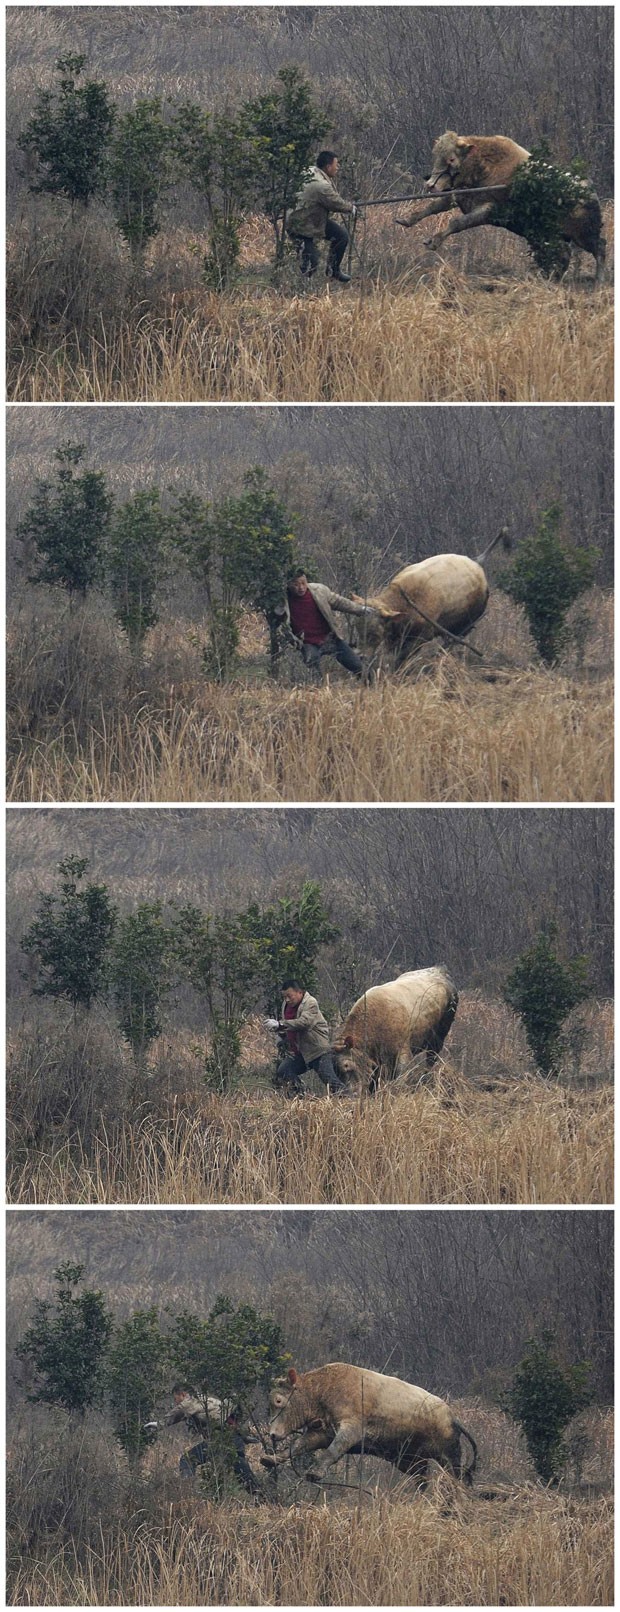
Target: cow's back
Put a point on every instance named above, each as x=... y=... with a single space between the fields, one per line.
x=388 y=1407
x=492 y=159
x=388 y=1017
x=450 y=588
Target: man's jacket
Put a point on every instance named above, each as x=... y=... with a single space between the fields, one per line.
x=313 y=1038
x=315 y=201
x=327 y=601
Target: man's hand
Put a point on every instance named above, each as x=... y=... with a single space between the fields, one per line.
x=271 y=1024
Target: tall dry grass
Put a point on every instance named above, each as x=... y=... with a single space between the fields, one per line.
x=529 y=1548
x=523 y=1142
x=532 y=736
x=472 y=325
x=447 y=341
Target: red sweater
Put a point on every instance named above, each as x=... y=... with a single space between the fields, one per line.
x=290 y=1012
x=306 y=619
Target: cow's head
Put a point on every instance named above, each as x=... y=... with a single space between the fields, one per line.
x=286 y=1414
x=449 y=153
x=352 y=1063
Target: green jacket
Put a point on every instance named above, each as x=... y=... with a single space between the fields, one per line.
x=311 y=1029
x=315 y=201
x=327 y=602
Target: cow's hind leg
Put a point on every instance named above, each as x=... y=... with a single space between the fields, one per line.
x=436 y=1037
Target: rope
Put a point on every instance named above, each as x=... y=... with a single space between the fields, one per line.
x=443 y=631
x=427 y=195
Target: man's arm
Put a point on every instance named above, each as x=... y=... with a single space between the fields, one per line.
x=348 y=606
x=331 y=201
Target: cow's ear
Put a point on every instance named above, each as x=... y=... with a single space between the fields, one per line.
x=292 y=1376
x=348 y=1041
x=464 y=146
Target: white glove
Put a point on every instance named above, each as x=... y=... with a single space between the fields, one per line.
x=272 y=1024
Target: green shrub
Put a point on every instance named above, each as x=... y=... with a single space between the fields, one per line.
x=543 y=990
x=71 y=937
x=543 y=1399
x=65 y=1344
x=69 y=135
x=546 y=577
x=540 y=195
x=68 y=523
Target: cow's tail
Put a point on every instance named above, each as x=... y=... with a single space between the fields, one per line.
x=503 y=537
x=468 y=1473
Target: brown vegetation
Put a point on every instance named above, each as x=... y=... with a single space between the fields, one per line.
x=530 y=735
x=507 y=1541
x=419 y=333
x=481 y=1129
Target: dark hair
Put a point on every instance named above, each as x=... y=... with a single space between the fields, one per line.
x=180 y=1388
x=291 y=985
x=295 y=571
x=324 y=158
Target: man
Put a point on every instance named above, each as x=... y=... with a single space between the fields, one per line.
x=308 y=1040
x=192 y=1411
x=310 y=613
x=310 y=220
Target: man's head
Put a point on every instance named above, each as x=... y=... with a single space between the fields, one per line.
x=293 y=992
x=179 y=1392
x=328 y=162
x=297 y=583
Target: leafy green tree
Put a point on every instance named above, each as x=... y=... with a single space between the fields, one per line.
x=137 y=563
x=234 y=1354
x=283 y=128
x=546 y=577
x=292 y=932
x=140 y=976
x=69 y=135
x=136 y=1380
x=71 y=936
x=543 y=990
x=223 y=958
x=140 y=173
x=240 y=549
x=68 y=523
x=212 y=152
x=66 y=1342
x=543 y=1399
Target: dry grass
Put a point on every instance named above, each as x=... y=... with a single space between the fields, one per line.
x=525 y=1142
x=448 y=340
x=528 y=1548
x=472 y=325
x=532 y=735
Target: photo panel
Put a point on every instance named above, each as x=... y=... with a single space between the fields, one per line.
x=450 y=638
x=321 y=204
x=310 y=1408
x=311 y=1006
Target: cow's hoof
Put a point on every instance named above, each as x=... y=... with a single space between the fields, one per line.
x=433 y=243
x=268 y=1460
x=312 y=1476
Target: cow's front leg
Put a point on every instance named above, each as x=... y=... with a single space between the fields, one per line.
x=441 y=204
x=318 y=1439
x=480 y=215
x=350 y=1434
